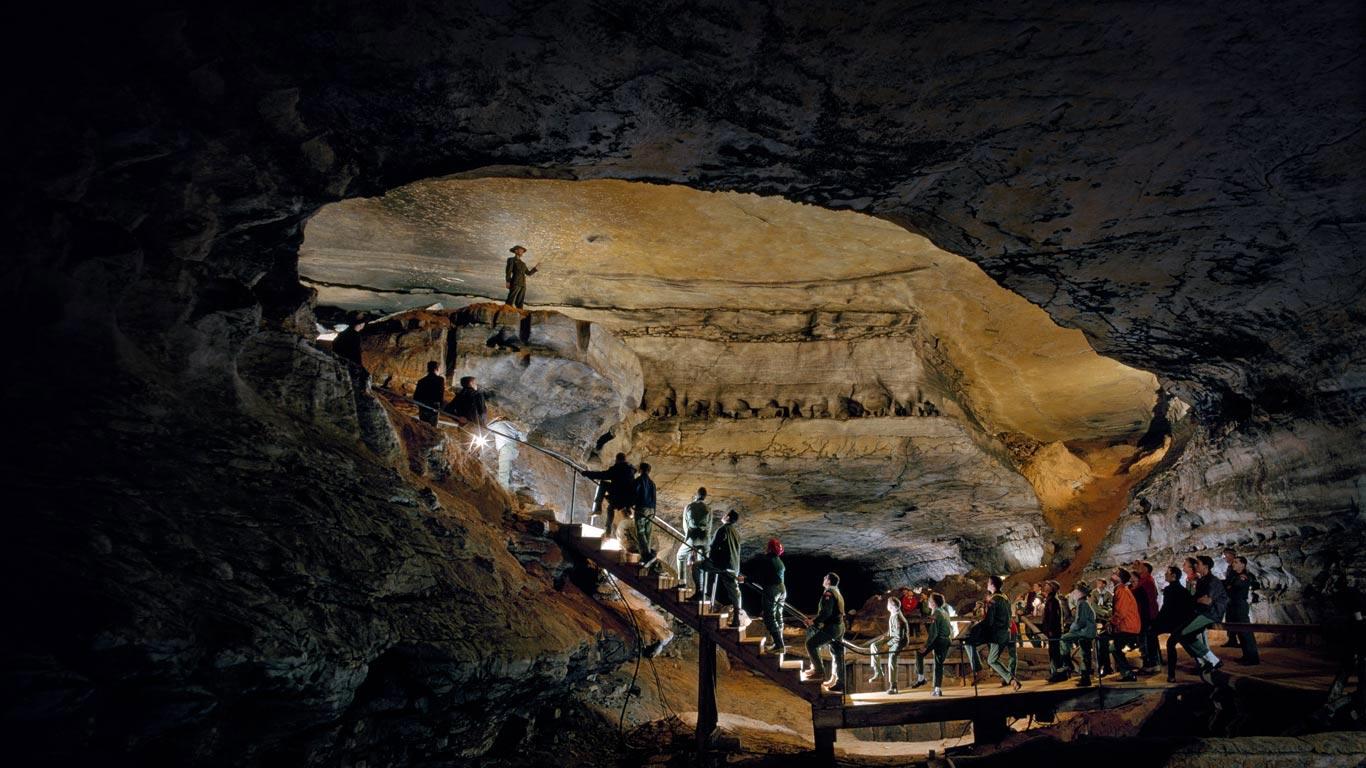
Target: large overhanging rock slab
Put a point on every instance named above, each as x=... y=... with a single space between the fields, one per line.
x=906 y=498
x=662 y=265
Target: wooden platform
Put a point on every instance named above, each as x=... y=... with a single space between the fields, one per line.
x=988 y=706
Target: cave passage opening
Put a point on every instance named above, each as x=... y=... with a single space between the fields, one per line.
x=847 y=385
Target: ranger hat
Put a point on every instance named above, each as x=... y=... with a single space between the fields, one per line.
x=517 y=249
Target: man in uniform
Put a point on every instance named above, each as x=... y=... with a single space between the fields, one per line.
x=430 y=393
x=697 y=528
x=997 y=621
x=517 y=272
x=939 y=635
x=827 y=629
x=619 y=480
x=723 y=562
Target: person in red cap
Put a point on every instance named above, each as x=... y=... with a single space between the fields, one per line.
x=770 y=575
x=517 y=272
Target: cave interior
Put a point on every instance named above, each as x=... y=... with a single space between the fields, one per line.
x=928 y=294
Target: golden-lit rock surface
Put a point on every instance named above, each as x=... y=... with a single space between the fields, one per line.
x=665 y=261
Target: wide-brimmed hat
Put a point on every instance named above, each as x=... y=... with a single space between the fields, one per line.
x=1083 y=588
x=517 y=249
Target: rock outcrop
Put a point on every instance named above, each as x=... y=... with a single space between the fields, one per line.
x=199 y=579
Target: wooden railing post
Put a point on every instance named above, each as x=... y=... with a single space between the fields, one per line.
x=706 y=691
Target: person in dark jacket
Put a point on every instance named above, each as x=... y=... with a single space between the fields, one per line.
x=516 y=274
x=1052 y=631
x=468 y=405
x=1210 y=604
x=723 y=562
x=620 y=483
x=430 y=393
x=1178 y=608
x=994 y=630
x=1239 y=584
x=938 y=637
x=643 y=501
x=827 y=628
x=770 y=575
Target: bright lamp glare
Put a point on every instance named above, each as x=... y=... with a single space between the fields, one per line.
x=479 y=441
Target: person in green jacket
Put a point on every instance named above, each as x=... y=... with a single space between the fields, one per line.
x=1081 y=633
x=896 y=637
x=827 y=628
x=993 y=631
x=937 y=640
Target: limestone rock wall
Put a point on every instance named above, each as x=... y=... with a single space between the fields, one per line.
x=1182 y=182
x=904 y=499
x=1288 y=499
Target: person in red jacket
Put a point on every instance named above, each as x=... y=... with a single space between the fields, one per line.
x=1123 y=628
x=1145 y=591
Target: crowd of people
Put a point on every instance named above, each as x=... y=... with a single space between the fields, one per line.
x=1100 y=620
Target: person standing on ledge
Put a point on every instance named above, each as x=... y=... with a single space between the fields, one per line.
x=517 y=272
x=429 y=394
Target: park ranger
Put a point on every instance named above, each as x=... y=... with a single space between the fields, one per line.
x=937 y=640
x=827 y=628
x=517 y=272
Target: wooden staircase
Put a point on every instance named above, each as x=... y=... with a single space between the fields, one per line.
x=677 y=600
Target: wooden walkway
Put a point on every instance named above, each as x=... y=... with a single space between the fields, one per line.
x=989 y=706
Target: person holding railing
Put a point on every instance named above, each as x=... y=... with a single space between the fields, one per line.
x=643 y=501
x=827 y=628
x=619 y=482
x=697 y=529
x=939 y=634
x=770 y=575
x=723 y=563
x=429 y=394
x=468 y=406
x=897 y=635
